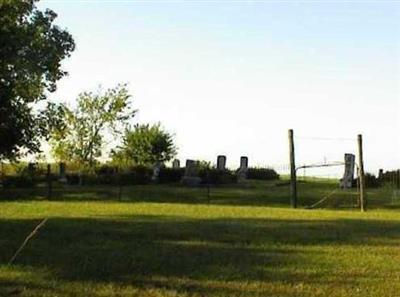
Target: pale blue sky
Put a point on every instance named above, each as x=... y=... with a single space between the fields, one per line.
x=230 y=77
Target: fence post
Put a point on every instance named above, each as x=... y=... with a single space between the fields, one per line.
x=49 y=182
x=293 y=182
x=117 y=173
x=363 y=201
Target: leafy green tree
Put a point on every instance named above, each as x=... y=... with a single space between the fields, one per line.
x=146 y=145
x=80 y=135
x=31 y=51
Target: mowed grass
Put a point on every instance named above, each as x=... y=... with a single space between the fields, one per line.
x=177 y=242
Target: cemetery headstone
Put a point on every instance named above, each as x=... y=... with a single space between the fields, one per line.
x=156 y=171
x=49 y=182
x=191 y=177
x=242 y=171
x=380 y=175
x=221 y=162
x=349 y=164
x=62 y=173
x=176 y=164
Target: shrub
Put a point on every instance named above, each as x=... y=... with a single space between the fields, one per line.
x=105 y=175
x=391 y=176
x=105 y=170
x=40 y=170
x=109 y=176
x=43 y=178
x=87 y=179
x=371 y=181
x=24 y=177
x=262 y=174
x=170 y=175
x=137 y=175
x=72 y=178
x=216 y=176
x=19 y=181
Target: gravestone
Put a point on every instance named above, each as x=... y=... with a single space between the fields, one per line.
x=380 y=175
x=242 y=171
x=156 y=171
x=176 y=164
x=221 y=162
x=62 y=173
x=349 y=164
x=191 y=177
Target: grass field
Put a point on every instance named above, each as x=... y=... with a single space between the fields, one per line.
x=173 y=241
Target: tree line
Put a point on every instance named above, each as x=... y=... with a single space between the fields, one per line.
x=32 y=49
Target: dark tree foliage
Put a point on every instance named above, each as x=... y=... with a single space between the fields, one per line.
x=31 y=51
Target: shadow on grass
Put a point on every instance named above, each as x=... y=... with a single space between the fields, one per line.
x=153 y=251
x=252 y=193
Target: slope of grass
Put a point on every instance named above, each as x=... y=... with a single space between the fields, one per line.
x=157 y=243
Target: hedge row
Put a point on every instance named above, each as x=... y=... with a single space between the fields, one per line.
x=371 y=181
x=262 y=174
x=138 y=175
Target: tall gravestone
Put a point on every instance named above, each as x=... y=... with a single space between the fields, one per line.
x=191 y=177
x=176 y=164
x=349 y=164
x=156 y=171
x=242 y=171
x=62 y=173
x=380 y=175
x=221 y=162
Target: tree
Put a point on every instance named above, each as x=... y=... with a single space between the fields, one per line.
x=79 y=136
x=31 y=51
x=146 y=145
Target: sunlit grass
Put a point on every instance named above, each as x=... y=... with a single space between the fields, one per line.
x=227 y=246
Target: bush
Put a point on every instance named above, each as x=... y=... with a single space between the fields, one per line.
x=43 y=178
x=138 y=175
x=391 y=176
x=90 y=179
x=216 y=176
x=105 y=170
x=106 y=175
x=371 y=181
x=262 y=174
x=170 y=175
x=24 y=177
x=19 y=181
x=72 y=178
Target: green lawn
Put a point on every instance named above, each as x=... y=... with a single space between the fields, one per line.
x=173 y=241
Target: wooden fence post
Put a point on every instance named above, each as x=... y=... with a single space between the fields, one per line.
x=293 y=182
x=49 y=182
x=363 y=201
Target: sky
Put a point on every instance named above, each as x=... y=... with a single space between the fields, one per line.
x=231 y=77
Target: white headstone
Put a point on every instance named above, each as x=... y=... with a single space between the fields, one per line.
x=156 y=171
x=62 y=172
x=221 y=162
x=176 y=164
x=349 y=164
x=191 y=174
x=242 y=171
